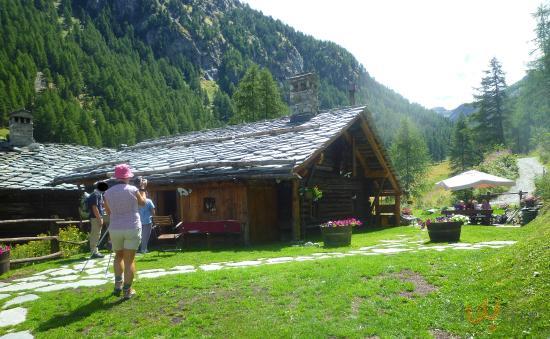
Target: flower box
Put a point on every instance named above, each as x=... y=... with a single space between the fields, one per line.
x=447 y=231
x=336 y=236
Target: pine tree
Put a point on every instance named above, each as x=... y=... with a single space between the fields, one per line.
x=491 y=115
x=463 y=153
x=410 y=158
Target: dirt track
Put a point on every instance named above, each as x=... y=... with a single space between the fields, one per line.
x=529 y=168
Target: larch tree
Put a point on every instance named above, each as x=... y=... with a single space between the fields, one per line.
x=463 y=152
x=490 y=100
x=410 y=157
x=257 y=97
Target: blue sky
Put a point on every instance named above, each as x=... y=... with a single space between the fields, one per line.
x=433 y=52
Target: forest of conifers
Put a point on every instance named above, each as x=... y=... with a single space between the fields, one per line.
x=117 y=72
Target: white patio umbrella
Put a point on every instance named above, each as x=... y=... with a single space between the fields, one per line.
x=473 y=179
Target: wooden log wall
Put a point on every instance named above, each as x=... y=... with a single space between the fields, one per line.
x=18 y=204
x=344 y=195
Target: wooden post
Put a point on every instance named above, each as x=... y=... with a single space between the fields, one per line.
x=377 y=219
x=296 y=217
x=54 y=244
x=397 y=211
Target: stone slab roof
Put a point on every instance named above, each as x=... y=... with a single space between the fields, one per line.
x=265 y=149
x=271 y=147
x=35 y=167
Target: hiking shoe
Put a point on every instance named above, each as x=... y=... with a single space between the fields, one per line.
x=129 y=293
x=117 y=292
x=118 y=288
x=97 y=255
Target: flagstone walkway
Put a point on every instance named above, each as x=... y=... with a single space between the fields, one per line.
x=95 y=273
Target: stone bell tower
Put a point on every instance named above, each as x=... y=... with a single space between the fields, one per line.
x=21 y=128
x=304 y=101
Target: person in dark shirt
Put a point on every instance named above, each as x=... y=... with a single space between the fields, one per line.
x=94 y=202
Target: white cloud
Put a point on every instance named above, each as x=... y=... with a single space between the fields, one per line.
x=430 y=51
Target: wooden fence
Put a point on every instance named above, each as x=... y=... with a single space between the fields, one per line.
x=54 y=225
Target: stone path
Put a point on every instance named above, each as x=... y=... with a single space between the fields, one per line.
x=95 y=273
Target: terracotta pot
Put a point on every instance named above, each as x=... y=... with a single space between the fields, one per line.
x=336 y=236
x=444 y=231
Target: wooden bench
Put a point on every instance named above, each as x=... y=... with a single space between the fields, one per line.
x=165 y=229
x=483 y=216
x=210 y=229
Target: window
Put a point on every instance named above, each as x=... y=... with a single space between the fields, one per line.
x=209 y=205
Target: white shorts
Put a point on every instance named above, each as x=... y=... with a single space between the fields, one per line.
x=125 y=239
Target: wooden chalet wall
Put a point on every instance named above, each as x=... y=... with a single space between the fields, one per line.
x=252 y=203
x=25 y=204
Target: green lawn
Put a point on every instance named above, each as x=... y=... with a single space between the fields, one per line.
x=358 y=296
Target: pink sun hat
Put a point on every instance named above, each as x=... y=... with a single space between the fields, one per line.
x=123 y=171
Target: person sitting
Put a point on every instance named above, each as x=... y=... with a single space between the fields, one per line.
x=485 y=205
x=470 y=205
x=460 y=206
x=476 y=205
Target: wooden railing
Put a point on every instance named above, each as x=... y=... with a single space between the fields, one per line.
x=54 y=225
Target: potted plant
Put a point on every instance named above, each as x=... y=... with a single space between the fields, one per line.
x=338 y=232
x=4 y=258
x=313 y=193
x=445 y=229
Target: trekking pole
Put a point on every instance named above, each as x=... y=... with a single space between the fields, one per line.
x=108 y=263
x=99 y=242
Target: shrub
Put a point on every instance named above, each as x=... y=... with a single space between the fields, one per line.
x=500 y=163
x=41 y=247
x=542 y=185
x=72 y=233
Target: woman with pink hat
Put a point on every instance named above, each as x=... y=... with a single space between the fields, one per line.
x=122 y=203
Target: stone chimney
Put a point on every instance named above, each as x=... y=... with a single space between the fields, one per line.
x=21 y=128
x=304 y=101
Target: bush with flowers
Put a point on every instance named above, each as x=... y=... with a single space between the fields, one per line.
x=406 y=211
x=342 y=223
x=5 y=249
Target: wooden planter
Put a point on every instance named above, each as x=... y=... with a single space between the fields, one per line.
x=4 y=262
x=444 y=231
x=336 y=236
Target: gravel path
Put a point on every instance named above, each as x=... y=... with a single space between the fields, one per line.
x=529 y=168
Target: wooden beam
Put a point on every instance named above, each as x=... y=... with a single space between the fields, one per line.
x=44 y=257
x=296 y=217
x=397 y=210
x=377 y=174
x=24 y=239
x=356 y=152
x=376 y=148
x=353 y=157
x=321 y=149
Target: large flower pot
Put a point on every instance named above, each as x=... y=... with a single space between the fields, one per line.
x=4 y=262
x=336 y=236
x=528 y=214
x=444 y=231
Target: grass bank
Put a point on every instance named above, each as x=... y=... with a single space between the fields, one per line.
x=418 y=294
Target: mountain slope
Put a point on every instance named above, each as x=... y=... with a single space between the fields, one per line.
x=124 y=70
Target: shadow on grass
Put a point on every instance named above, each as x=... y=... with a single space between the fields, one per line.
x=98 y=304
